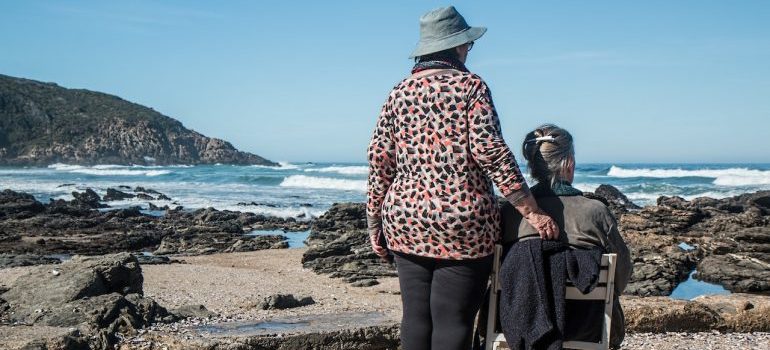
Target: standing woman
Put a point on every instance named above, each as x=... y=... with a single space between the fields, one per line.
x=435 y=148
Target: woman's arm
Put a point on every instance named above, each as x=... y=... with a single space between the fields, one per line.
x=382 y=165
x=497 y=161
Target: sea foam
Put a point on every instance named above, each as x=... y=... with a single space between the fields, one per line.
x=344 y=170
x=111 y=170
x=722 y=177
x=303 y=181
x=281 y=166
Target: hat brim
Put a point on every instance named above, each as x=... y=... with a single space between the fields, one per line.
x=448 y=42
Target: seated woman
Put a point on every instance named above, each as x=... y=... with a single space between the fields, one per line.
x=583 y=222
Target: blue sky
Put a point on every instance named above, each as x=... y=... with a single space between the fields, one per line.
x=642 y=81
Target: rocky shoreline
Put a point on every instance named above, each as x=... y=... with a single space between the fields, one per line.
x=140 y=301
x=31 y=231
x=729 y=239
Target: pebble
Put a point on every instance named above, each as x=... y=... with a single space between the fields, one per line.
x=703 y=341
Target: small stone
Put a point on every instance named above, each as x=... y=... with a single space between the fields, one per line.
x=365 y=283
x=284 y=301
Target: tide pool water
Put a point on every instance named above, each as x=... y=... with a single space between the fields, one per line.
x=693 y=287
x=307 y=190
x=295 y=239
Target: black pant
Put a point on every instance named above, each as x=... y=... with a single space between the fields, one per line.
x=440 y=300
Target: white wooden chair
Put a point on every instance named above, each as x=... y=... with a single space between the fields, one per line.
x=604 y=291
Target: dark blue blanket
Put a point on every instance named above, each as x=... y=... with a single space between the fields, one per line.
x=533 y=277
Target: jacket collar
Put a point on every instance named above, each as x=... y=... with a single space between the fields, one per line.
x=560 y=188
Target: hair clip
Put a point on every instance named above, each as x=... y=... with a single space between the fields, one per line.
x=548 y=138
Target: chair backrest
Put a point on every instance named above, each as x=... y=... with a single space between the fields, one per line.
x=604 y=291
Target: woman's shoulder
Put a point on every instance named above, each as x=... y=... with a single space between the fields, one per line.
x=443 y=75
x=590 y=207
x=467 y=82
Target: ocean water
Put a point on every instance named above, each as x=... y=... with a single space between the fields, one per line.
x=307 y=190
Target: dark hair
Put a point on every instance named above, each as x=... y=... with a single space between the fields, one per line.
x=450 y=55
x=546 y=159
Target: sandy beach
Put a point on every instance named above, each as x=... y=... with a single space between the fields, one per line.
x=231 y=284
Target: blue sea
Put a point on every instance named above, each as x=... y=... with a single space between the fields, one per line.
x=307 y=190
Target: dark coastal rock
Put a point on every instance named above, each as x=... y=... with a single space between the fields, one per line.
x=339 y=246
x=284 y=301
x=760 y=199
x=88 y=199
x=157 y=208
x=17 y=260
x=100 y=296
x=67 y=227
x=43 y=123
x=217 y=242
x=151 y=259
x=195 y=311
x=17 y=205
x=659 y=264
x=718 y=221
x=116 y=195
x=60 y=207
x=252 y=222
x=367 y=338
x=140 y=189
x=738 y=273
x=78 y=278
x=731 y=236
x=662 y=219
x=269 y=205
x=339 y=219
x=144 y=196
x=615 y=200
x=365 y=283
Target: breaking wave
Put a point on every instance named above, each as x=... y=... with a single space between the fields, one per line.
x=303 y=181
x=344 y=170
x=722 y=177
x=111 y=170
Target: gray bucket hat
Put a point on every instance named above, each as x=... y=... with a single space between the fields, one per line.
x=444 y=28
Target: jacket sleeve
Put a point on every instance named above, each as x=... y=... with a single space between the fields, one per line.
x=487 y=146
x=382 y=165
x=618 y=246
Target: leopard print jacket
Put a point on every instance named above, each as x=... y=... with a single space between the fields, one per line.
x=435 y=148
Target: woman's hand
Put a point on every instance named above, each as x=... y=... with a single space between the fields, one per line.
x=544 y=224
x=376 y=238
x=540 y=220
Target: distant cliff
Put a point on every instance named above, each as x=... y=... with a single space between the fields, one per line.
x=43 y=123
